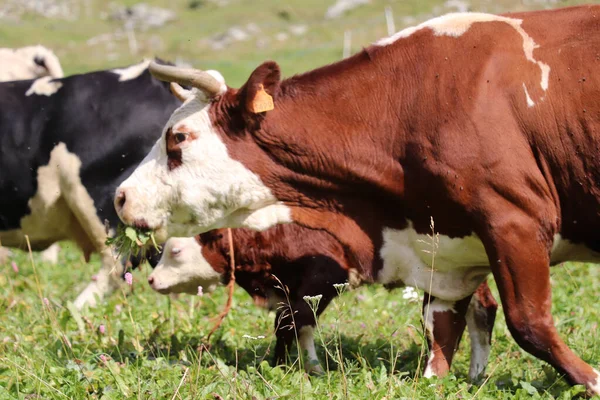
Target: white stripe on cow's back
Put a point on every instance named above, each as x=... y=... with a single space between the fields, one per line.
x=456 y=24
x=131 y=72
x=45 y=86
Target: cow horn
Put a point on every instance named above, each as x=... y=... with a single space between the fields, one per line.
x=187 y=76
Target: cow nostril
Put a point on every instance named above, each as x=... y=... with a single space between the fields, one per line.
x=120 y=200
x=150 y=280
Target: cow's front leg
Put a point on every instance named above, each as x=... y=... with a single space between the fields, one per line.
x=106 y=281
x=519 y=251
x=444 y=323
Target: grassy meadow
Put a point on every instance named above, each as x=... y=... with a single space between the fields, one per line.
x=141 y=345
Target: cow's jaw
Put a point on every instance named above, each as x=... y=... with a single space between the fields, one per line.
x=206 y=190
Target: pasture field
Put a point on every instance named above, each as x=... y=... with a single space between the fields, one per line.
x=141 y=345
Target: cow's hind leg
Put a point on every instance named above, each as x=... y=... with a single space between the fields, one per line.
x=444 y=325
x=519 y=250
x=481 y=316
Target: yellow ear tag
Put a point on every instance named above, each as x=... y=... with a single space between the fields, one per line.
x=262 y=101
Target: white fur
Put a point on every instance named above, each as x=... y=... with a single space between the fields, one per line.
x=480 y=342
x=131 y=72
x=530 y=102
x=307 y=344
x=428 y=373
x=50 y=255
x=45 y=86
x=460 y=264
x=435 y=306
x=456 y=24
x=209 y=190
x=595 y=386
x=16 y=64
x=182 y=268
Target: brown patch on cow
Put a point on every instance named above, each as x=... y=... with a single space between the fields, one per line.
x=174 y=142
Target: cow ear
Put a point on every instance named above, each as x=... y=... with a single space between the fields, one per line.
x=262 y=88
x=179 y=92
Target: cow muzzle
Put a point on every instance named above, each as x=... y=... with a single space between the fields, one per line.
x=125 y=210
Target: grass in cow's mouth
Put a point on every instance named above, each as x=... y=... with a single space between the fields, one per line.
x=131 y=241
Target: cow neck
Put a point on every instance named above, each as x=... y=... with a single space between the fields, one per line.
x=343 y=113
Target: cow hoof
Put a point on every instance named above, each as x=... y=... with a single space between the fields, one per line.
x=314 y=368
x=88 y=296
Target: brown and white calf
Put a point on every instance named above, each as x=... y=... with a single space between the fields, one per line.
x=306 y=263
x=488 y=125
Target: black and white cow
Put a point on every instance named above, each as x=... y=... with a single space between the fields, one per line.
x=66 y=144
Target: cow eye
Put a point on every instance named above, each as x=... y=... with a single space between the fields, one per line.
x=179 y=137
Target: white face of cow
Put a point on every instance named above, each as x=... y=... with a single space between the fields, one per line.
x=189 y=184
x=182 y=269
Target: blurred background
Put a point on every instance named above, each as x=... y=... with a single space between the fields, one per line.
x=233 y=36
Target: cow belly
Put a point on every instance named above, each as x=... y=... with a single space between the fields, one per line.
x=448 y=268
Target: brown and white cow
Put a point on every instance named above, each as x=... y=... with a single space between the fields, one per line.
x=307 y=263
x=487 y=124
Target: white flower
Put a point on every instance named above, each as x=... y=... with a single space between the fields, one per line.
x=410 y=293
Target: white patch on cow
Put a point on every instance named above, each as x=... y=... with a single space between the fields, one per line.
x=131 y=72
x=459 y=263
x=17 y=64
x=209 y=190
x=530 y=102
x=428 y=373
x=594 y=386
x=45 y=86
x=50 y=255
x=62 y=209
x=565 y=250
x=480 y=341
x=456 y=24
x=182 y=268
x=307 y=344
x=435 y=306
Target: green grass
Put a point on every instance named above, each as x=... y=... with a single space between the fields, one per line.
x=149 y=348
x=150 y=342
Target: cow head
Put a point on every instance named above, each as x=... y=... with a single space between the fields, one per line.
x=182 y=269
x=189 y=183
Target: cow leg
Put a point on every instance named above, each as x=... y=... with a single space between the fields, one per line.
x=307 y=345
x=519 y=252
x=107 y=280
x=50 y=255
x=481 y=316
x=444 y=325
x=4 y=255
x=285 y=336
